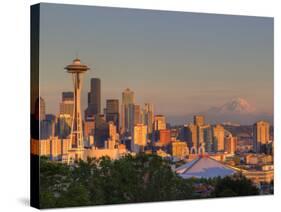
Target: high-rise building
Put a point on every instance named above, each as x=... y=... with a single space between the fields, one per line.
x=47 y=129
x=179 y=149
x=67 y=96
x=148 y=116
x=261 y=131
x=42 y=109
x=112 y=106
x=218 y=138
x=127 y=111
x=159 y=122
x=140 y=135
x=89 y=127
x=112 y=131
x=137 y=115
x=112 y=111
x=101 y=131
x=99 y=119
x=105 y=133
x=128 y=97
x=51 y=117
x=91 y=141
x=48 y=126
x=200 y=134
x=64 y=125
x=130 y=118
x=111 y=142
x=192 y=138
x=199 y=120
x=175 y=134
x=165 y=136
x=67 y=104
x=183 y=133
x=207 y=137
x=230 y=144
x=94 y=98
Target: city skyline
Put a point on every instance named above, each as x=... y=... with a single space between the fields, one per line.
x=161 y=62
x=184 y=119
x=173 y=105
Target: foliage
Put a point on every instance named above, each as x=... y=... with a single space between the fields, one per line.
x=237 y=185
x=140 y=178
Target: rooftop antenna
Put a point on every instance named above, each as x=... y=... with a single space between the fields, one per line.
x=76 y=54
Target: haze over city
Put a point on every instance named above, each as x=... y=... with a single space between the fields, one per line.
x=183 y=63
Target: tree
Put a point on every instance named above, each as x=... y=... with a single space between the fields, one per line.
x=140 y=178
x=236 y=185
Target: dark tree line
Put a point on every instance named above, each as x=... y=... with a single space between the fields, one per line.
x=143 y=178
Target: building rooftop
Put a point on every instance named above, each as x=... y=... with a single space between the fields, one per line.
x=204 y=167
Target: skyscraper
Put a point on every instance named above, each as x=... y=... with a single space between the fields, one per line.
x=200 y=134
x=140 y=136
x=112 y=131
x=111 y=143
x=230 y=144
x=42 y=109
x=148 y=116
x=67 y=96
x=159 y=122
x=192 y=138
x=261 y=136
x=218 y=136
x=165 y=136
x=130 y=118
x=94 y=98
x=47 y=129
x=137 y=115
x=112 y=111
x=179 y=149
x=207 y=138
x=64 y=125
x=112 y=106
x=67 y=104
x=47 y=125
x=127 y=111
x=128 y=97
x=101 y=133
x=89 y=127
x=199 y=120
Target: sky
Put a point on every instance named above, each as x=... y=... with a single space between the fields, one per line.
x=181 y=62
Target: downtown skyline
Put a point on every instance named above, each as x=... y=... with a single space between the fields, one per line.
x=162 y=66
x=132 y=106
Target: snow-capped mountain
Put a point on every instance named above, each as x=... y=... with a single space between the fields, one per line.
x=237 y=110
x=235 y=106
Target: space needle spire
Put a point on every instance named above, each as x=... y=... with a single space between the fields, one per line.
x=76 y=147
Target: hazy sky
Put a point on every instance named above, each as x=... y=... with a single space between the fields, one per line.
x=181 y=62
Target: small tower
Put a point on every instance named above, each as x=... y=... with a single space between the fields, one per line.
x=76 y=146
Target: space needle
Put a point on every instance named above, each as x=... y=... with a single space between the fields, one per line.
x=76 y=146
